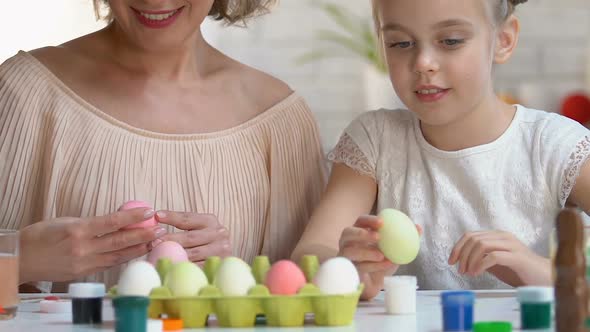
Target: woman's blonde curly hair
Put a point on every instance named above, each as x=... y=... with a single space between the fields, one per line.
x=230 y=11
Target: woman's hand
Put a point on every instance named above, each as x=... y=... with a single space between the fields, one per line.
x=64 y=249
x=359 y=243
x=503 y=255
x=204 y=235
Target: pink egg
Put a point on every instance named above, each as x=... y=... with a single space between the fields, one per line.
x=284 y=278
x=168 y=249
x=138 y=204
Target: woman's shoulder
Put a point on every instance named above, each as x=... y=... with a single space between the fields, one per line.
x=21 y=66
x=262 y=90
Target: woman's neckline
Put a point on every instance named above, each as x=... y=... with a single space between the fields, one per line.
x=467 y=151
x=83 y=103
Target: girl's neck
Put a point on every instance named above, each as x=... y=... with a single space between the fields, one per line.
x=482 y=125
x=186 y=63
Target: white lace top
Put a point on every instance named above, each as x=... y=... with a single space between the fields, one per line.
x=517 y=183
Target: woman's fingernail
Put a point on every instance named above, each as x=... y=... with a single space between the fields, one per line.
x=156 y=243
x=149 y=213
x=160 y=231
x=161 y=214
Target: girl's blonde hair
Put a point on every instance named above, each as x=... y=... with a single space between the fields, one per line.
x=230 y=11
x=502 y=11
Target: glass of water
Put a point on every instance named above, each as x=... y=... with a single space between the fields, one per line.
x=8 y=273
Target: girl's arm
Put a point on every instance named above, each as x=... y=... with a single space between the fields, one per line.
x=347 y=196
x=335 y=228
x=580 y=194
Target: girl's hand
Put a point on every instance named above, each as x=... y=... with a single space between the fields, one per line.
x=359 y=243
x=64 y=249
x=503 y=255
x=204 y=235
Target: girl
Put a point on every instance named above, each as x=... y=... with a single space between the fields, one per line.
x=483 y=179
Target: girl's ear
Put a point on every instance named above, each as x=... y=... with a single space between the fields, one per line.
x=506 y=39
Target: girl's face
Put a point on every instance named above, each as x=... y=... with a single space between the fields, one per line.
x=440 y=55
x=160 y=25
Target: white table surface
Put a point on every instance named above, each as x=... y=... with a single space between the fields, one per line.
x=370 y=316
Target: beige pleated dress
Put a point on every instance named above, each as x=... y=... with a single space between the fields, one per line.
x=61 y=156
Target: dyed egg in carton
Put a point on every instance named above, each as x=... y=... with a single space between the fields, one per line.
x=332 y=309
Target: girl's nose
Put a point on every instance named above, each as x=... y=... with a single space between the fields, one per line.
x=425 y=62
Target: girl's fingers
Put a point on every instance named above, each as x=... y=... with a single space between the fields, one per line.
x=362 y=254
x=356 y=235
x=375 y=267
x=479 y=251
x=492 y=259
x=369 y=222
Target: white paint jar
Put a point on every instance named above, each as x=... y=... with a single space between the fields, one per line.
x=400 y=295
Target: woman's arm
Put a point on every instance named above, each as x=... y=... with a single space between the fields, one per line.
x=347 y=196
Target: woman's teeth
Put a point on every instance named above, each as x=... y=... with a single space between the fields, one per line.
x=158 y=17
x=429 y=91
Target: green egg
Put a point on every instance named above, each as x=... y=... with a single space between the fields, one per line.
x=398 y=237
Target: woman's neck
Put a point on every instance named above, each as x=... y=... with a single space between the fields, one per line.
x=186 y=63
x=485 y=123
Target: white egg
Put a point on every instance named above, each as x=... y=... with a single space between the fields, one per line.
x=138 y=279
x=337 y=276
x=234 y=277
x=185 y=279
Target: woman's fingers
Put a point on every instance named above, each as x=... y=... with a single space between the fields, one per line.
x=219 y=248
x=187 y=221
x=125 y=239
x=118 y=257
x=196 y=238
x=97 y=226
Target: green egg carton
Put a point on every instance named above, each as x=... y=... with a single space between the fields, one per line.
x=242 y=311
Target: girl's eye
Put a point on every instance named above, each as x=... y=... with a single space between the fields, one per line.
x=404 y=44
x=452 y=42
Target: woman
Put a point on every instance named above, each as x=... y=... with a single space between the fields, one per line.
x=146 y=109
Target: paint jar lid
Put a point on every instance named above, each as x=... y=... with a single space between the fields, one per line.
x=86 y=290
x=172 y=324
x=492 y=327
x=535 y=294
x=455 y=298
x=155 y=325
x=401 y=281
x=55 y=306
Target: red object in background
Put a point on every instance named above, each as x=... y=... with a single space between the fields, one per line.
x=577 y=107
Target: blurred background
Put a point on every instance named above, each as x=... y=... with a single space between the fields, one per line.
x=324 y=51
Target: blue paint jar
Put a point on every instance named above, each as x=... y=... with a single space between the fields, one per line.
x=457 y=310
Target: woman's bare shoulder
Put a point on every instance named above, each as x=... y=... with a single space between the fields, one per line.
x=67 y=57
x=263 y=89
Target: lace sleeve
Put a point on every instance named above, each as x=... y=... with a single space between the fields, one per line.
x=347 y=152
x=577 y=159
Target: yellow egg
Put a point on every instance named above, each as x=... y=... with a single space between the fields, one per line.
x=398 y=238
